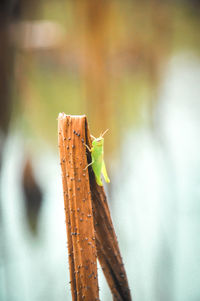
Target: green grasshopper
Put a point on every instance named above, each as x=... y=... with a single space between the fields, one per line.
x=97 y=154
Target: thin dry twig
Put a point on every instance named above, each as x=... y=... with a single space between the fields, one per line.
x=106 y=241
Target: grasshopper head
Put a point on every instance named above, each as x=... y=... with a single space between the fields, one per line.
x=99 y=141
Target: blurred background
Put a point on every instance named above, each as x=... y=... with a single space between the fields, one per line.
x=132 y=67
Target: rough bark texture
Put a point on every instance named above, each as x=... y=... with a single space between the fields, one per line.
x=89 y=224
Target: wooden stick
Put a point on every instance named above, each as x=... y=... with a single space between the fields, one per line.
x=86 y=210
x=78 y=208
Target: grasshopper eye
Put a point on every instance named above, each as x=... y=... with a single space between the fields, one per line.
x=99 y=141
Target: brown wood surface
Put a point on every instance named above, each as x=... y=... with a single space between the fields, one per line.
x=78 y=208
x=89 y=226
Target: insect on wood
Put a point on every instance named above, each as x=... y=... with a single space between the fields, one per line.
x=89 y=225
x=97 y=154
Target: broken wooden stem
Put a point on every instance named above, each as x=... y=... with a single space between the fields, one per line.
x=89 y=226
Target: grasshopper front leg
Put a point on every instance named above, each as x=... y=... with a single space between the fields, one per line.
x=90 y=149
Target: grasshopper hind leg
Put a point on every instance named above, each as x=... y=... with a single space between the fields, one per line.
x=98 y=180
x=104 y=172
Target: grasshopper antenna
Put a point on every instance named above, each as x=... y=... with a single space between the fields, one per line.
x=104 y=133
